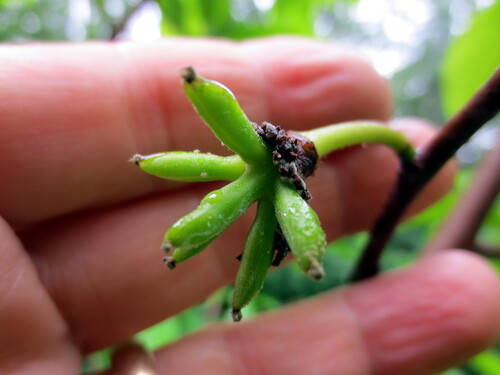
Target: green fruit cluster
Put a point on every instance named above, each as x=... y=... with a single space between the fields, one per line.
x=254 y=178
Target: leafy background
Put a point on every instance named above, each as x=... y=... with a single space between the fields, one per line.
x=435 y=54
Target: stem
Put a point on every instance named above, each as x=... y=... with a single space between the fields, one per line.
x=462 y=225
x=335 y=137
x=486 y=250
x=480 y=109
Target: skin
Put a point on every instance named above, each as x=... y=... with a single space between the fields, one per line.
x=80 y=267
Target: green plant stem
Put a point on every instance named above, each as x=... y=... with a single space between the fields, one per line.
x=337 y=136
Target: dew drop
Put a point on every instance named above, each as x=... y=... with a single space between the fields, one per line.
x=213 y=197
x=179 y=223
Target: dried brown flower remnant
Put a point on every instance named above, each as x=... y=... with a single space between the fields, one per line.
x=294 y=155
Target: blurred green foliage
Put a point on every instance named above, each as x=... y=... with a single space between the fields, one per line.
x=471 y=59
x=422 y=71
x=240 y=19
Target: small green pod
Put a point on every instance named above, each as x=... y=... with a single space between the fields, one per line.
x=216 y=211
x=256 y=259
x=218 y=107
x=182 y=254
x=191 y=166
x=301 y=228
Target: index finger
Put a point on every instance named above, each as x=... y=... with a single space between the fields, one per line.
x=419 y=320
x=72 y=115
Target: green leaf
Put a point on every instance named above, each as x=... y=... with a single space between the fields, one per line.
x=16 y=3
x=171 y=329
x=184 y=17
x=488 y=363
x=240 y=19
x=471 y=59
x=454 y=371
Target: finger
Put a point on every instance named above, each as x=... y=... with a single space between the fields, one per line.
x=305 y=88
x=34 y=339
x=104 y=269
x=416 y=321
x=72 y=115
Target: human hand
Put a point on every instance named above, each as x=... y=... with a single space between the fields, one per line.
x=80 y=263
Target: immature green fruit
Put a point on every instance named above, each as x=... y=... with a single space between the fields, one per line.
x=191 y=166
x=256 y=259
x=301 y=228
x=218 y=107
x=183 y=253
x=271 y=168
x=216 y=211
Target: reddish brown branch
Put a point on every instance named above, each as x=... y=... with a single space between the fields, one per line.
x=487 y=250
x=461 y=227
x=481 y=108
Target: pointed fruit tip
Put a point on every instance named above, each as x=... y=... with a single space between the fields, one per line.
x=137 y=158
x=167 y=247
x=169 y=262
x=237 y=315
x=316 y=272
x=188 y=74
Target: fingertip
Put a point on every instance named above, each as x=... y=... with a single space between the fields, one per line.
x=429 y=317
x=480 y=288
x=414 y=321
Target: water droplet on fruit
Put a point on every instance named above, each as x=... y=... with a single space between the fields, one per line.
x=213 y=197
